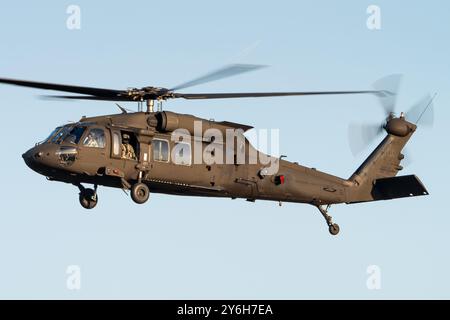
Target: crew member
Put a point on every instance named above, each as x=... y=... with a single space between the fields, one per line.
x=127 y=148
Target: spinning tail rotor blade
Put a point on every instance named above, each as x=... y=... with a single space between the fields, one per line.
x=388 y=88
x=362 y=135
x=422 y=111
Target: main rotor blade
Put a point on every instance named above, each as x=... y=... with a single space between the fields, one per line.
x=422 y=111
x=362 y=135
x=390 y=85
x=62 y=87
x=88 y=98
x=225 y=72
x=264 y=94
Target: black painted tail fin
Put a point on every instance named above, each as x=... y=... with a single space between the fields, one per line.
x=397 y=187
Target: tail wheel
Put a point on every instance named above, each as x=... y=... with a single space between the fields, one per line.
x=334 y=229
x=88 y=198
x=140 y=193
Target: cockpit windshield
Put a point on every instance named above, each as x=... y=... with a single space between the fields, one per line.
x=57 y=138
x=52 y=134
x=70 y=133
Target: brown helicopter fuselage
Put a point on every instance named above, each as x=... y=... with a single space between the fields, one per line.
x=292 y=182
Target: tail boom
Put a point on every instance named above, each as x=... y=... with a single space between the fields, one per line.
x=376 y=178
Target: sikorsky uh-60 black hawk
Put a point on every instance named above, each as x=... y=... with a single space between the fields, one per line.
x=135 y=151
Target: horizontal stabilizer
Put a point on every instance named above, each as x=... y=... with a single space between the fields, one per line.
x=398 y=187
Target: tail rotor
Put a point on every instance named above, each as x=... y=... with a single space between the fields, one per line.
x=360 y=136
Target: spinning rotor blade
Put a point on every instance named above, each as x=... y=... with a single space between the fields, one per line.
x=390 y=85
x=154 y=93
x=225 y=72
x=62 y=87
x=361 y=135
x=422 y=111
x=263 y=94
x=202 y=96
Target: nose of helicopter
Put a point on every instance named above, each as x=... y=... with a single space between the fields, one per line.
x=31 y=158
x=38 y=158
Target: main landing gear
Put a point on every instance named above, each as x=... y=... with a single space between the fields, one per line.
x=140 y=193
x=88 y=197
x=333 y=228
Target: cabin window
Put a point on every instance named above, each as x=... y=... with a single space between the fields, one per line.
x=182 y=154
x=160 y=150
x=95 y=139
x=116 y=144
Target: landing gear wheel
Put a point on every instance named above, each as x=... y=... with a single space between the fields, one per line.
x=88 y=198
x=140 y=193
x=333 y=229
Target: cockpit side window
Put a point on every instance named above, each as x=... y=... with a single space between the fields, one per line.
x=75 y=134
x=95 y=138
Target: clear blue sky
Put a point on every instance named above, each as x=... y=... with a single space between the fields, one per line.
x=176 y=247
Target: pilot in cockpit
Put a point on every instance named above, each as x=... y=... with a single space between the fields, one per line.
x=91 y=140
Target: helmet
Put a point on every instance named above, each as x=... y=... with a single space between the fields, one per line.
x=125 y=136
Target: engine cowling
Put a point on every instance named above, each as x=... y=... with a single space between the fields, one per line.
x=166 y=121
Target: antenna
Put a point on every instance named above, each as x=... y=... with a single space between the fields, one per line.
x=121 y=108
x=426 y=108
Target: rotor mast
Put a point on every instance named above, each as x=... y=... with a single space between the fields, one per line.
x=150 y=105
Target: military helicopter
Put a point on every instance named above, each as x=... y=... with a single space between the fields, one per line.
x=155 y=151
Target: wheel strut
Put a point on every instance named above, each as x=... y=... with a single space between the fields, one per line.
x=333 y=228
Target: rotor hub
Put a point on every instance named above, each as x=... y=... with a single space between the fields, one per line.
x=147 y=93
